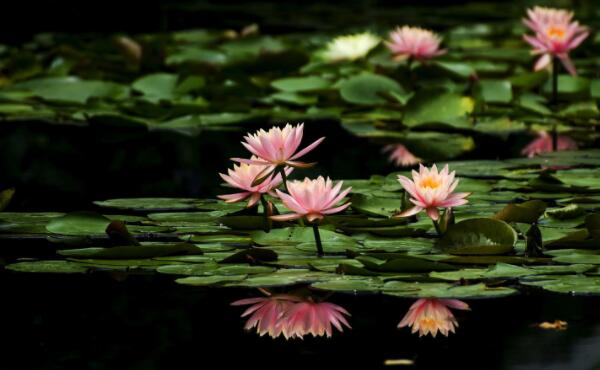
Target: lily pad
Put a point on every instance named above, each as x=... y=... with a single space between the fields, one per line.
x=478 y=236
x=368 y=89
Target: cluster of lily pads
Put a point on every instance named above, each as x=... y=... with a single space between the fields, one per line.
x=482 y=87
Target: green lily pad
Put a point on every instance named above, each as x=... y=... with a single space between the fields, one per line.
x=300 y=84
x=368 y=88
x=148 y=204
x=145 y=250
x=48 y=267
x=212 y=280
x=297 y=235
x=444 y=290
x=526 y=212
x=156 y=86
x=478 y=236
x=79 y=224
x=495 y=91
x=376 y=206
x=72 y=89
x=443 y=108
x=568 y=284
x=351 y=284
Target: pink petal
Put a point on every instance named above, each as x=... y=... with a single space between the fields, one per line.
x=286 y=217
x=409 y=212
x=307 y=149
x=433 y=213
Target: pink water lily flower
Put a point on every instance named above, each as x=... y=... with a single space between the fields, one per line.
x=430 y=190
x=414 y=42
x=401 y=156
x=293 y=316
x=315 y=318
x=243 y=175
x=312 y=198
x=278 y=146
x=267 y=314
x=430 y=315
x=556 y=34
x=543 y=144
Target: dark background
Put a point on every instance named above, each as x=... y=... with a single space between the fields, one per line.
x=21 y=19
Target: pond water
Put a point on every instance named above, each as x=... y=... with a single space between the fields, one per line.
x=97 y=322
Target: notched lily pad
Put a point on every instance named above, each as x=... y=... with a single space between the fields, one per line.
x=478 y=236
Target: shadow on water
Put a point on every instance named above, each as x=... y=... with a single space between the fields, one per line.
x=102 y=322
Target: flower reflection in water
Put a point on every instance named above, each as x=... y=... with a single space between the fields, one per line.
x=293 y=316
x=430 y=315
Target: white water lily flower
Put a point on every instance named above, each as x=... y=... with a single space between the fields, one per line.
x=350 y=47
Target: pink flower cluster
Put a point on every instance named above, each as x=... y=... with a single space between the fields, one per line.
x=293 y=316
x=278 y=149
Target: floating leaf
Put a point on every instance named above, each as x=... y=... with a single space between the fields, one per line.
x=72 y=89
x=48 y=267
x=478 y=236
x=568 y=284
x=368 y=89
x=443 y=290
x=300 y=84
x=79 y=224
x=297 y=235
x=526 y=212
x=157 y=86
x=145 y=250
x=495 y=91
x=212 y=280
x=445 y=108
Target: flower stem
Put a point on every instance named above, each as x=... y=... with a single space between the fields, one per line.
x=555 y=67
x=318 y=240
x=283 y=178
x=437 y=227
x=266 y=214
x=411 y=75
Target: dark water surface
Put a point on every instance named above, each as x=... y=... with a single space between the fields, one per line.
x=101 y=322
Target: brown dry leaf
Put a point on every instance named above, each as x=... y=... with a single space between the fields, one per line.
x=556 y=325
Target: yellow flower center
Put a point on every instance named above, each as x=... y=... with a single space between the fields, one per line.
x=430 y=182
x=556 y=32
x=430 y=323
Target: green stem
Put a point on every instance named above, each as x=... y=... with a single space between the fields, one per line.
x=555 y=67
x=437 y=227
x=283 y=178
x=411 y=76
x=555 y=70
x=318 y=240
x=267 y=220
x=554 y=138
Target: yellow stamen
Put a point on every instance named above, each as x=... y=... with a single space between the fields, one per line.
x=430 y=182
x=556 y=32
